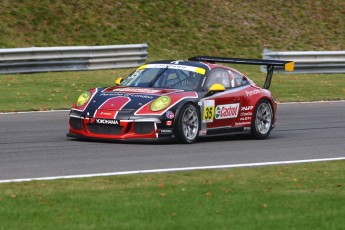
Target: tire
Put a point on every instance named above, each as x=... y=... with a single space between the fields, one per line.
x=188 y=124
x=262 y=120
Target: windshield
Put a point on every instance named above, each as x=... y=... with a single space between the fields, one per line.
x=165 y=76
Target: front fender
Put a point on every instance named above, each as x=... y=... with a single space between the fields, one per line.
x=193 y=101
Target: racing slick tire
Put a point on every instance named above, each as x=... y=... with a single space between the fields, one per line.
x=188 y=125
x=262 y=120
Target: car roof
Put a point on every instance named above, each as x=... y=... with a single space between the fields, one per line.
x=183 y=62
x=202 y=64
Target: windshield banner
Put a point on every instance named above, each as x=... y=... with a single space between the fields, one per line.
x=174 y=66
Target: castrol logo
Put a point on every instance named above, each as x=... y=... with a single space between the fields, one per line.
x=227 y=111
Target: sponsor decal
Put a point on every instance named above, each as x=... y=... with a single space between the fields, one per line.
x=103 y=114
x=107 y=121
x=164 y=130
x=138 y=95
x=247 y=108
x=106 y=113
x=126 y=95
x=170 y=114
x=174 y=66
x=202 y=132
x=111 y=94
x=254 y=92
x=168 y=123
x=243 y=123
x=134 y=90
x=226 y=111
x=246 y=114
x=245 y=118
x=208 y=111
x=247 y=128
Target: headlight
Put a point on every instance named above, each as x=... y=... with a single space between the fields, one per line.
x=160 y=103
x=83 y=98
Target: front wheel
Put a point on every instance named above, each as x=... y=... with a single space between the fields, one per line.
x=262 y=120
x=188 y=124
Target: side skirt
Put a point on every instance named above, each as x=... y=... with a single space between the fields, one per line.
x=226 y=131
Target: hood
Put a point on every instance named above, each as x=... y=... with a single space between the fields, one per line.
x=118 y=98
x=108 y=102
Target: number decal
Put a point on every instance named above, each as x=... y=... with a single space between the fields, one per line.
x=208 y=111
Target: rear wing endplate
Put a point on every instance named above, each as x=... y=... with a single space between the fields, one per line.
x=288 y=65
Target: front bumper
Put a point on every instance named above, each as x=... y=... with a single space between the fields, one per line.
x=146 y=129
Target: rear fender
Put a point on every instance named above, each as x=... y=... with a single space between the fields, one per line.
x=273 y=106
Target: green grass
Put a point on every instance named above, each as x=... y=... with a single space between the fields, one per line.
x=47 y=91
x=176 y=29
x=303 y=196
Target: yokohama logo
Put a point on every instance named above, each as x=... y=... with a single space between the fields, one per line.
x=226 y=111
x=107 y=122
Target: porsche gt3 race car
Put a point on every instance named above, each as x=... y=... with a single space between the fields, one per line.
x=181 y=100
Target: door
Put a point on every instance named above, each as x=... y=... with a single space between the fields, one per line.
x=221 y=109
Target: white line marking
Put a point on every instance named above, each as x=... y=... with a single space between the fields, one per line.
x=173 y=170
x=310 y=102
x=44 y=111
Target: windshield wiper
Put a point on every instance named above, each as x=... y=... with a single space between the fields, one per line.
x=158 y=76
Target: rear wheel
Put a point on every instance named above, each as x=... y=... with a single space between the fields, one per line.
x=188 y=124
x=262 y=120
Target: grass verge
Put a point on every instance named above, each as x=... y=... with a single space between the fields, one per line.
x=45 y=91
x=179 y=28
x=303 y=196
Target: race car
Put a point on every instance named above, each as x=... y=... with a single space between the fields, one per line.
x=178 y=100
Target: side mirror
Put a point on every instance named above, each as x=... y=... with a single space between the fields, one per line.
x=216 y=88
x=118 y=81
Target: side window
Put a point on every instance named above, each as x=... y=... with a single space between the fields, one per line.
x=219 y=76
x=237 y=79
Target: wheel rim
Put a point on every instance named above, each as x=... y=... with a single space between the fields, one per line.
x=190 y=123
x=263 y=118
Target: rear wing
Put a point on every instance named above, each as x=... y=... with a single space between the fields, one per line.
x=288 y=65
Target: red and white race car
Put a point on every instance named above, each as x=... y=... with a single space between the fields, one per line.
x=168 y=100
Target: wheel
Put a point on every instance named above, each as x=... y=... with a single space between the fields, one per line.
x=188 y=124
x=262 y=120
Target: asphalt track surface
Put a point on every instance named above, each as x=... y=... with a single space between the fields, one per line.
x=34 y=145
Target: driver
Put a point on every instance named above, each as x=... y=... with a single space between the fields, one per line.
x=219 y=77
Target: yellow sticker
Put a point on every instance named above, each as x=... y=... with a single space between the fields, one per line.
x=142 y=67
x=200 y=71
x=208 y=114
